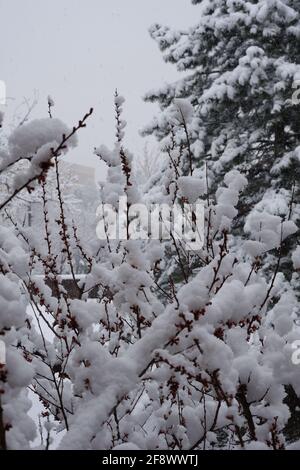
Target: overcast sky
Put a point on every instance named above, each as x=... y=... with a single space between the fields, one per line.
x=79 y=52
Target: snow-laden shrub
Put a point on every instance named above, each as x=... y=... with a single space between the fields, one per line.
x=155 y=361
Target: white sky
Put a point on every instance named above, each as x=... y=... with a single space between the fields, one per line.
x=79 y=51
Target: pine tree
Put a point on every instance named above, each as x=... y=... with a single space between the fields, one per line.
x=242 y=60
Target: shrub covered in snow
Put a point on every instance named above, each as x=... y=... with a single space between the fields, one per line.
x=195 y=364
